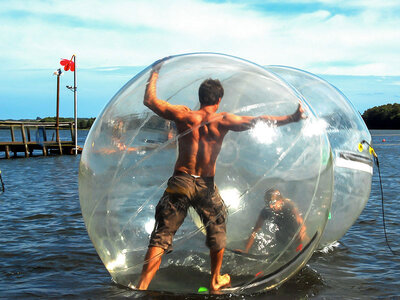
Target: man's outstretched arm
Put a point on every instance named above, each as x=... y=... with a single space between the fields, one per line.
x=283 y=120
x=160 y=107
x=242 y=123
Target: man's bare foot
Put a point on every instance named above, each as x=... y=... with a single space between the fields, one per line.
x=220 y=282
x=151 y=264
x=143 y=284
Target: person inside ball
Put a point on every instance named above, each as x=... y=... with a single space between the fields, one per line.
x=200 y=136
x=284 y=213
x=117 y=132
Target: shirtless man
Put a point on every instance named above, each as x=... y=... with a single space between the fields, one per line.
x=201 y=133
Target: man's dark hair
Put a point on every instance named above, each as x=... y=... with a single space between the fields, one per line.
x=268 y=194
x=210 y=91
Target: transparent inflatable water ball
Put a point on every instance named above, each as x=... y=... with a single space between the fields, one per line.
x=346 y=130
x=276 y=178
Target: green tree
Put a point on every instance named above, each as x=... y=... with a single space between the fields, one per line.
x=383 y=117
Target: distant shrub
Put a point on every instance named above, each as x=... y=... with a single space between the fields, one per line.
x=383 y=117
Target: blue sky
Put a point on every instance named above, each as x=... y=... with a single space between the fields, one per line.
x=354 y=44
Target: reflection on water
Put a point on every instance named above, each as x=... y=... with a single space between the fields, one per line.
x=45 y=250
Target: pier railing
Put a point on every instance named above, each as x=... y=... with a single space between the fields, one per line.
x=29 y=136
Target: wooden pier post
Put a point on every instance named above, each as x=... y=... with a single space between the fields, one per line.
x=58 y=112
x=72 y=132
x=7 y=151
x=24 y=140
x=12 y=133
x=28 y=132
x=60 y=147
x=44 y=149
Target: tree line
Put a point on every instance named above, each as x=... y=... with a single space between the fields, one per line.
x=83 y=123
x=383 y=117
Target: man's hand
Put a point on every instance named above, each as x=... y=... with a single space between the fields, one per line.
x=156 y=66
x=298 y=114
x=121 y=146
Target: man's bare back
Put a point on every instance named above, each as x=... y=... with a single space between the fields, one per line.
x=200 y=141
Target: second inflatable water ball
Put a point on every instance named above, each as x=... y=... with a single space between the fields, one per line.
x=346 y=131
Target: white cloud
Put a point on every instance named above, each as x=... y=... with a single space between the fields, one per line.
x=138 y=32
x=344 y=3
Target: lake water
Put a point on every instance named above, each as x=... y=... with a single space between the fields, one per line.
x=45 y=250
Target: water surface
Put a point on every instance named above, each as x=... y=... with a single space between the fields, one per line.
x=46 y=252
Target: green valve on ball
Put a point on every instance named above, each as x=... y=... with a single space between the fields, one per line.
x=202 y=289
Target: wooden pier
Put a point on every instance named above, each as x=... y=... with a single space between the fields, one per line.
x=29 y=136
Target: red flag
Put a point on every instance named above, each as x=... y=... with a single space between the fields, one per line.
x=68 y=64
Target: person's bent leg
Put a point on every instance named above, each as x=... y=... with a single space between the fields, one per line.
x=150 y=266
x=171 y=210
x=218 y=281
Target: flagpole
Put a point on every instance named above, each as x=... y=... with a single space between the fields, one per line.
x=75 y=110
x=58 y=108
